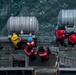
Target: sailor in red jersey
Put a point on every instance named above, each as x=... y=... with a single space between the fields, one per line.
x=60 y=36
x=29 y=51
x=44 y=54
x=72 y=39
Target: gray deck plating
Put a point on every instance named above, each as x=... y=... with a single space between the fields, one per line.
x=8 y=54
x=50 y=63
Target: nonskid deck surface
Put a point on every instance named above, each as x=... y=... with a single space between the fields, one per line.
x=8 y=51
x=11 y=58
x=8 y=54
x=46 y=71
x=16 y=72
x=68 y=73
x=17 y=58
x=51 y=61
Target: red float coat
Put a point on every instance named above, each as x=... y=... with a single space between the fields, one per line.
x=44 y=54
x=31 y=43
x=60 y=35
x=29 y=53
x=72 y=38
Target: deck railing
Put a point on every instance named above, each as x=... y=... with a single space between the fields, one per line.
x=46 y=38
x=68 y=61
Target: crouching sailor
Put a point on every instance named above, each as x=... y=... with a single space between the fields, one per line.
x=16 y=41
x=72 y=39
x=29 y=50
x=44 y=54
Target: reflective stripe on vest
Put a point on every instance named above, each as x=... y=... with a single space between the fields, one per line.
x=59 y=36
x=32 y=43
x=42 y=54
x=26 y=51
x=71 y=41
x=28 y=43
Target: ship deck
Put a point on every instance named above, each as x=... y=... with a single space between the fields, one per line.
x=9 y=57
x=17 y=61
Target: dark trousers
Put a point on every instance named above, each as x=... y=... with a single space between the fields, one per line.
x=33 y=57
x=70 y=43
x=21 y=44
x=1 y=47
x=49 y=51
x=61 y=41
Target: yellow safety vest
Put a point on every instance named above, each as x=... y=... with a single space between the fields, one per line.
x=16 y=42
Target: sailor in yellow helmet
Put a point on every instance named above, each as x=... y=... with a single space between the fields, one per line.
x=16 y=41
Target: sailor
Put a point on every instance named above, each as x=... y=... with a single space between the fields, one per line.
x=31 y=41
x=72 y=39
x=60 y=36
x=17 y=42
x=44 y=54
x=29 y=50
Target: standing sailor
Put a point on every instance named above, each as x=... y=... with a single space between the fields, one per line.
x=60 y=36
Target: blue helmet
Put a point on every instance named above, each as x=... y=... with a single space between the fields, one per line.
x=30 y=39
